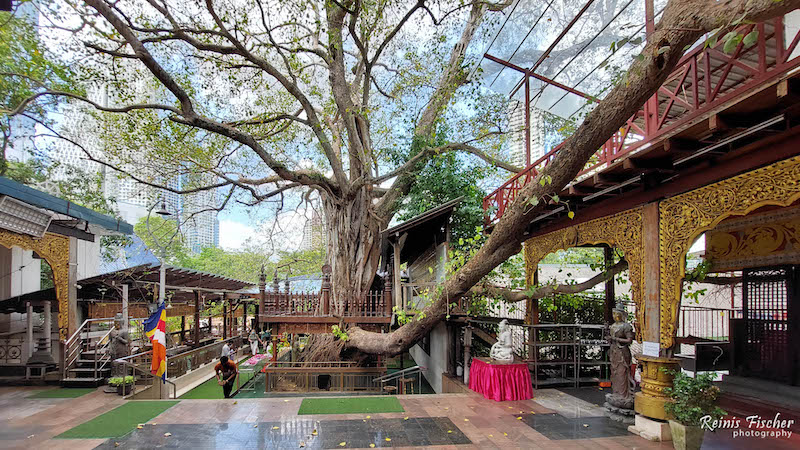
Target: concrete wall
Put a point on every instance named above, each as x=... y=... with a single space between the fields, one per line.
x=436 y=361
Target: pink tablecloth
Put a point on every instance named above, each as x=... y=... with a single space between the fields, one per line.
x=500 y=382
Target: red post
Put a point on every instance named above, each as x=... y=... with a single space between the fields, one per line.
x=325 y=301
x=387 y=291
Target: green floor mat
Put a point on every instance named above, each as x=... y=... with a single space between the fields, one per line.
x=350 y=405
x=119 y=421
x=62 y=393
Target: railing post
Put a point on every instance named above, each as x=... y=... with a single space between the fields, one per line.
x=387 y=290
x=325 y=301
x=262 y=291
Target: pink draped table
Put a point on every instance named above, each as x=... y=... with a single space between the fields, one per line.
x=500 y=381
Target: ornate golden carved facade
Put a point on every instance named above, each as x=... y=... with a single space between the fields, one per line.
x=54 y=249
x=759 y=240
x=684 y=217
x=623 y=231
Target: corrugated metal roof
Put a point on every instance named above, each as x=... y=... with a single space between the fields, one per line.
x=49 y=202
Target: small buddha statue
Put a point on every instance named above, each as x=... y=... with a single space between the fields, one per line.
x=502 y=350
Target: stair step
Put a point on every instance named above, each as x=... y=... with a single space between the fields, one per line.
x=82 y=382
x=83 y=372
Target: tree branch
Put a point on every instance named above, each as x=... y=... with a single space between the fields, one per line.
x=513 y=296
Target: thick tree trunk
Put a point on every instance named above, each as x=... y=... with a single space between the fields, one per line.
x=354 y=237
x=683 y=23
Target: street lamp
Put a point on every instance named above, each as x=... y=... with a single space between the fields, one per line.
x=162 y=271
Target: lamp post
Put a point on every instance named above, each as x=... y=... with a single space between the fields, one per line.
x=162 y=271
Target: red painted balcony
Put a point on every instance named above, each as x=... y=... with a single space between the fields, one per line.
x=705 y=80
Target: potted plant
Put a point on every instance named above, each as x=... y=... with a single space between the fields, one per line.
x=692 y=399
x=124 y=385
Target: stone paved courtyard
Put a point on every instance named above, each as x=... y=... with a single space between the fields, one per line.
x=552 y=420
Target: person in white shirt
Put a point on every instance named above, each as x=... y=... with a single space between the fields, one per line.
x=226 y=350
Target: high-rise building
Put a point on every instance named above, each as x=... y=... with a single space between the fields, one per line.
x=516 y=141
x=314 y=233
x=199 y=225
x=134 y=200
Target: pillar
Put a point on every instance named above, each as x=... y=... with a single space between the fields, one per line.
x=532 y=305
x=183 y=329
x=325 y=296
x=650 y=401
x=387 y=292
x=125 y=316
x=467 y=352
x=197 y=318
x=244 y=317
x=72 y=287
x=608 y=254
x=48 y=326
x=262 y=298
x=224 y=318
x=29 y=323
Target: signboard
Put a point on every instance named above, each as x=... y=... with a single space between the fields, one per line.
x=650 y=349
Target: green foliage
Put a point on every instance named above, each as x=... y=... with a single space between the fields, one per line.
x=444 y=178
x=29 y=172
x=26 y=66
x=119 y=381
x=697 y=275
x=163 y=238
x=692 y=398
x=339 y=333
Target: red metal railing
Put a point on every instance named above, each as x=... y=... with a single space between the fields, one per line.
x=704 y=79
x=371 y=304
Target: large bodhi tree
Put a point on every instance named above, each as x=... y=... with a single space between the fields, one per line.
x=353 y=43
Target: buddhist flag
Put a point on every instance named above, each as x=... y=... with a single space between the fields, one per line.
x=155 y=329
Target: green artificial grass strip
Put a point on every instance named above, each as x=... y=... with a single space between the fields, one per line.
x=119 y=421
x=208 y=390
x=350 y=405
x=62 y=393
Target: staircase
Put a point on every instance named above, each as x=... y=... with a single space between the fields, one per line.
x=87 y=359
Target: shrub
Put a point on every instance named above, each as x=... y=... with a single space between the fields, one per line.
x=119 y=381
x=693 y=398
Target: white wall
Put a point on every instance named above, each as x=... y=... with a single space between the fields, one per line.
x=436 y=362
x=88 y=258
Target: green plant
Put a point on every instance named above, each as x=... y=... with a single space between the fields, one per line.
x=339 y=333
x=692 y=398
x=119 y=381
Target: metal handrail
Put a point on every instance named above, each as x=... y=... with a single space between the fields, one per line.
x=97 y=350
x=126 y=364
x=408 y=371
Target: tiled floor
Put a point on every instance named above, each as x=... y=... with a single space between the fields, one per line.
x=552 y=420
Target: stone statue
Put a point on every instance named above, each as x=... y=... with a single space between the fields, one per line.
x=502 y=350
x=119 y=344
x=619 y=403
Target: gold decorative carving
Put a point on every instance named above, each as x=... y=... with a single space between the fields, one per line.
x=769 y=239
x=622 y=230
x=684 y=217
x=54 y=249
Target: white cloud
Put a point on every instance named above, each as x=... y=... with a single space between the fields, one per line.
x=232 y=235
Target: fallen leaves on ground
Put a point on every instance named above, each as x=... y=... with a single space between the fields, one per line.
x=302 y=444
x=466 y=420
x=276 y=428
x=371 y=445
x=342 y=444
x=314 y=433
x=449 y=431
x=586 y=425
x=519 y=418
x=388 y=439
x=405 y=418
x=167 y=434
x=505 y=434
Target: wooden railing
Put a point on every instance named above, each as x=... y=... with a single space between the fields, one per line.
x=183 y=363
x=340 y=376
x=704 y=79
